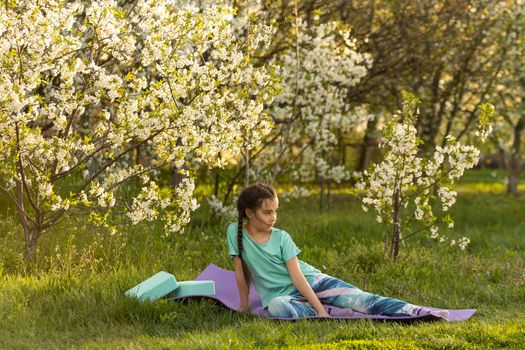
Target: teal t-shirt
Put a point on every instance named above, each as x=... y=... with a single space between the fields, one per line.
x=267 y=261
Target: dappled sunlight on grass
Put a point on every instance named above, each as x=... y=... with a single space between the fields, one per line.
x=484 y=187
x=72 y=296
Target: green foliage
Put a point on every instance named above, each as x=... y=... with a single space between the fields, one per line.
x=410 y=106
x=487 y=114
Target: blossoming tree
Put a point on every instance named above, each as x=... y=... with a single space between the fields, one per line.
x=317 y=64
x=311 y=111
x=84 y=85
x=317 y=68
x=405 y=188
x=508 y=94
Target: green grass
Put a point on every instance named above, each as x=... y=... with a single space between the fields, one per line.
x=72 y=296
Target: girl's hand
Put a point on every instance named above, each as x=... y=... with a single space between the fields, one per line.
x=323 y=313
x=244 y=308
x=301 y=284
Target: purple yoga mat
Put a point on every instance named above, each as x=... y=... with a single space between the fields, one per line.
x=226 y=292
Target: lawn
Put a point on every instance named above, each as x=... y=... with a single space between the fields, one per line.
x=72 y=296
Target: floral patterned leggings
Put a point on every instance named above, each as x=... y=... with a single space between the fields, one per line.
x=331 y=290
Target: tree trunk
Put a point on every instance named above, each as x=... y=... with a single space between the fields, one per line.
x=396 y=229
x=368 y=147
x=514 y=166
x=321 y=194
x=137 y=156
x=31 y=241
x=512 y=185
x=342 y=147
x=328 y=195
x=216 y=184
x=246 y=167
x=328 y=183
x=176 y=177
x=31 y=233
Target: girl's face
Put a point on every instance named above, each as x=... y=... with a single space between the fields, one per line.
x=265 y=216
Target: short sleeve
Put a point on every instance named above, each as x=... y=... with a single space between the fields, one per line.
x=231 y=233
x=288 y=247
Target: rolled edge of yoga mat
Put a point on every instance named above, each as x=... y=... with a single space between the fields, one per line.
x=195 y=288
x=155 y=287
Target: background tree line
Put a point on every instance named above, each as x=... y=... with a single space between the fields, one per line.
x=453 y=55
x=98 y=95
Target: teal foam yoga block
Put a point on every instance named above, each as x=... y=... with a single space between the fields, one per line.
x=190 y=288
x=155 y=287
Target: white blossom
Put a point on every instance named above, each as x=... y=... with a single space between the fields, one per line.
x=221 y=210
x=312 y=110
x=401 y=184
x=94 y=82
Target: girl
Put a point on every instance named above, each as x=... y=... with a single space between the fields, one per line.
x=290 y=288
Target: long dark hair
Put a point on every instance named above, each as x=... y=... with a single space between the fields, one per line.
x=250 y=198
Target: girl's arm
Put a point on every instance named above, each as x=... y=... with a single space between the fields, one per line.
x=244 y=289
x=300 y=282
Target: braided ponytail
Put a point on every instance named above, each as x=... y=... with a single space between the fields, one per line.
x=245 y=270
x=250 y=198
